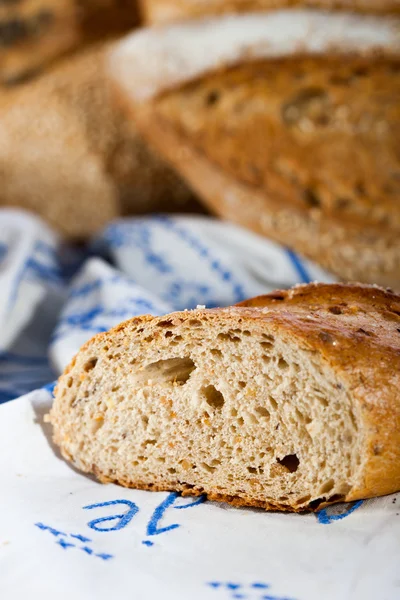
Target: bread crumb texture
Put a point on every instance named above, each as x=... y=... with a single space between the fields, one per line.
x=287 y=402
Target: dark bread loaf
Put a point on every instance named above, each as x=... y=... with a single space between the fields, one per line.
x=288 y=402
x=34 y=32
x=289 y=125
x=164 y=11
x=68 y=154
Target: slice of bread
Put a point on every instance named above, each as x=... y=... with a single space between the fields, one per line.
x=289 y=401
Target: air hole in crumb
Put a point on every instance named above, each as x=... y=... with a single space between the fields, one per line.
x=282 y=364
x=216 y=352
x=273 y=403
x=172 y=470
x=115 y=388
x=270 y=338
x=168 y=334
x=213 y=396
x=207 y=467
x=90 y=365
x=322 y=400
x=242 y=384
x=291 y=462
x=263 y=412
x=228 y=337
x=171 y=370
x=246 y=333
x=252 y=418
x=166 y=323
x=97 y=424
x=195 y=323
x=252 y=470
x=327 y=486
x=240 y=421
x=233 y=412
x=178 y=338
x=314 y=504
x=266 y=344
x=70 y=381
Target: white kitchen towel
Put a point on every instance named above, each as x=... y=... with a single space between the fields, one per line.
x=62 y=534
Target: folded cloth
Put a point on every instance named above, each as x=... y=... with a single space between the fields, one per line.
x=64 y=535
x=54 y=297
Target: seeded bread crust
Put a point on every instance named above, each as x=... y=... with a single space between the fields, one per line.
x=165 y=11
x=298 y=148
x=353 y=329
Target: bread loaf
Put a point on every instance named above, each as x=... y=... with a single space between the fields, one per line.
x=289 y=125
x=289 y=401
x=69 y=155
x=163 y=11
x=33 y=32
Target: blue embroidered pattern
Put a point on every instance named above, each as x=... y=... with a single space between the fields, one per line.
x=299 y=267
x=250 y=591
x=121 y=520
x=73 y=540
x=201 y=249
x=337 y=512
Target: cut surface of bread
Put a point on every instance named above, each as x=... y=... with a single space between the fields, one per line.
x=164 y=11
x=288 y=401
x=294 y=137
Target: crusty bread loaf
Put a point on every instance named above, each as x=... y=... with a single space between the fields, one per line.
x=289 y=401
x=68 y=154
x=164 y=11
x=33 y=32
x=289 y=125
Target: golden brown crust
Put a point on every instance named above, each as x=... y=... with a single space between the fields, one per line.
x=68 y=154
x=328 y=191
x=361 y=340
x=164 y=11
x=355 y=330
x=188 y=490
